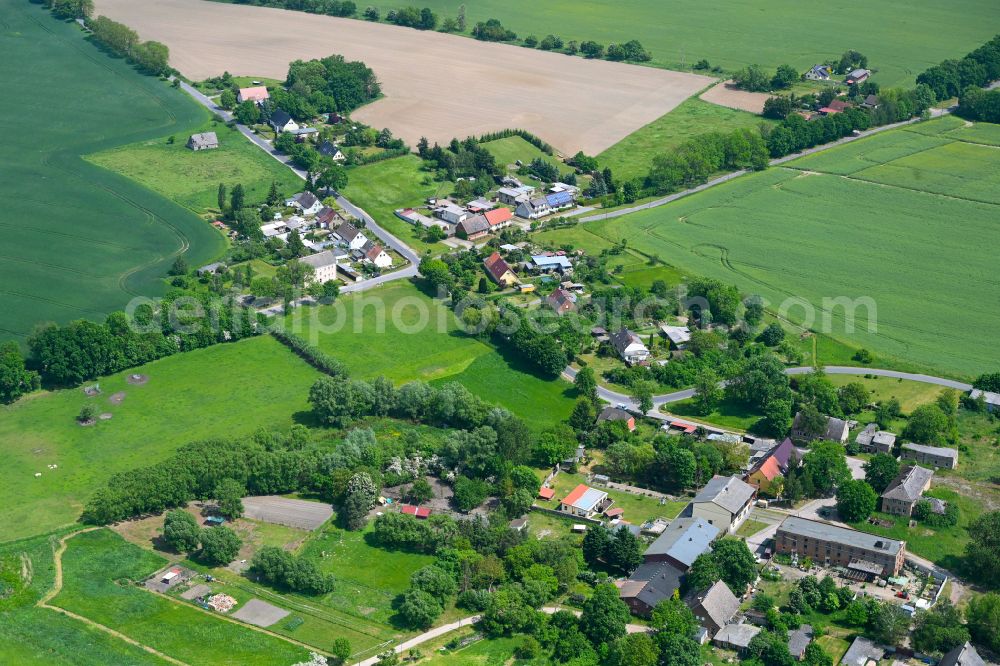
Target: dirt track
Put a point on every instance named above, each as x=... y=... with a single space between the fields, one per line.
x=436 y=85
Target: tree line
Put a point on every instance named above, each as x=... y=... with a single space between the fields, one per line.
x=150 y=57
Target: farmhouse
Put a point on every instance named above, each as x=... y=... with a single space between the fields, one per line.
x=990 y=399
x=679 y=336
x=306 y=202
x=836 y=430
x=373 y=253
x=935 y=456
x=835 y=106
x=585 y=501
x=724 y=502
x=680 y=544
x=550 y=262
x=561 y=301
x=324 y=265
x=255 y=94
x=772 y=465
x=714 y=607
x=350 y=236
x=871 y=102
x=282 y=122
x=499 y=271
x=873 y=440
x=512 y=196
x=532 y=209
x=906 y=489
x=450 y=212
x=614 y=414
x=857 y=76
x=819 y=73
x=832 y=545
x=499 y=218
x=473 y=228
x=331 y=150
x=736 y=637
x=648 y=585
x=629 y=346
x=203 y=141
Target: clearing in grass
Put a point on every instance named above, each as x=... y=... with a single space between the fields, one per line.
x=784 y=233
x=221 y=391
x=98 y=568
x=79 y=241
x=191 y=178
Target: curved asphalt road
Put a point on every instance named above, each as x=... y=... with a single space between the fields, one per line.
x=387 y=238
x=666 y=398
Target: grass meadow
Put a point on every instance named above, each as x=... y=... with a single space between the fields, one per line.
x=220 y=391
x=191 y=178
x=513 y=148
x=97 y=568
x=79 y=240
x=734 y=35
x=359 y=329
x=816 y=230
x=632 y=156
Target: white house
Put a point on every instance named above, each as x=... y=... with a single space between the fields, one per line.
x=515 y=195
x=584 y=501
x=324 y=265
x=331 y=150
x=819 y=73
x=724 y=502
x=532 y=209
x=376 y=254
x=450 y=212
x=629 y=346
x=307 y=202
x=350 y=236
x=282 y=122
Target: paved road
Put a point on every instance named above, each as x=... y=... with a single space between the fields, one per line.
x=736 y=174
x=387 y=238
x=849 y=370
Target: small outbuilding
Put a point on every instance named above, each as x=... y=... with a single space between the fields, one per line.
x=203 y=141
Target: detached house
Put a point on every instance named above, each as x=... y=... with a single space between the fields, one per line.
x=328 y=217
x=857 y=76
x=203 y=141
x=629 y=346
x=614 y=414
x=324 y=265
x=532 y=209
x=499 y=218
x=873 y=440
x=307 y=202
x=836 y=430
x=473 y=228
x=328 y=149
x=450 y=212
x=561 y=301
x=585 y=501
x=714 y=607
x=906 y=490
x=350 y=236
x=512 y=196
x=373 y=253
x=773 y=465
x=255 y=94
x=724 y=502
x=280 y=121
x=819 y=73
x=499 y=270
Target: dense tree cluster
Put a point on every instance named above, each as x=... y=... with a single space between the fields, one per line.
x=952 y=78
x=327 y=7
x=493 y=31
x=411 y=17
x=70 y=9
x=15 y=379
x=282 y=569
x=151 y=57
x=326 y=85
x=694 y=161
x=730 y=560
x=463 y=159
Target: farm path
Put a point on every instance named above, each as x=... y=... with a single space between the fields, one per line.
x=390 y=240
x=57 y=587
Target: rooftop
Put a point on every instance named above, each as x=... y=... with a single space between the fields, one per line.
x=942 y=451
x=862 y=651
x=719 y=603
x=684 y=540
x=320 y=259
x=729 y=492
x=815 y=529
x=909 y=484
x=651 y=583
x=584 y=498
x=739 y=635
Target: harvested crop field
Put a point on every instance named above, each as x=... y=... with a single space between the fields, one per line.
x=435 y=85
x=290 y=512
x=728 y=95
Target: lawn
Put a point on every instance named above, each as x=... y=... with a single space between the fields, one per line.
x=750 y=527
x=32 y=635
x=735 y=35
x=632 y=156
x=910 y=394
x=381 y=188
x=638 y=508
x=399 y=332
x=483 y=652
x=220 y=391
x=513 y=148
x=786 y=235
x=96 y=569
x=726 y=414
x=192 y=178
x=80 y=241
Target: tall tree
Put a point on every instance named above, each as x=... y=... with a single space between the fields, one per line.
x=855 y=500
x=880 y=470
x=604 y=616
x=237 y=198
x=222 y=197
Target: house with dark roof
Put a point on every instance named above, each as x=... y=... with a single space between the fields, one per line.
x=331 y=150
x=648 y=585
x=629 y=346
x=714 y=607
x=963 y=655
x=682 y=542
x=836 y=430
x=328 y=218
x=532 y=209
x=307 y=202
x=499 y=271
x=819 y=73
x=373 y=253
x=203 y=141
x=772 y=465
x=281 y=121
x=871 y=102
x=473 y=228
x=560 y=200
x=724 y=502
x=906 y=490
x=835 y=106
x=799 y=639
x=863 y=652
x=561 y=301
x=935 y=456
x=873 y=440
x=614 y=414
x=350 y=236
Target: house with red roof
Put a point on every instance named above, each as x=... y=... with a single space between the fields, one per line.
x=499 y=270
x=499 y=218
x=585 y=501
x=255 y=94
x=546 y=493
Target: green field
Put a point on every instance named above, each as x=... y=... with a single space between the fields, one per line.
x=736 y=34
x=632 y=156
x=383 y=187
x=79 y=241
x=191 y=178
x=815 y=230
x=96 y=569
x=221 y=391
x=362 y=331
x=910 y=394
x=513 y=148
